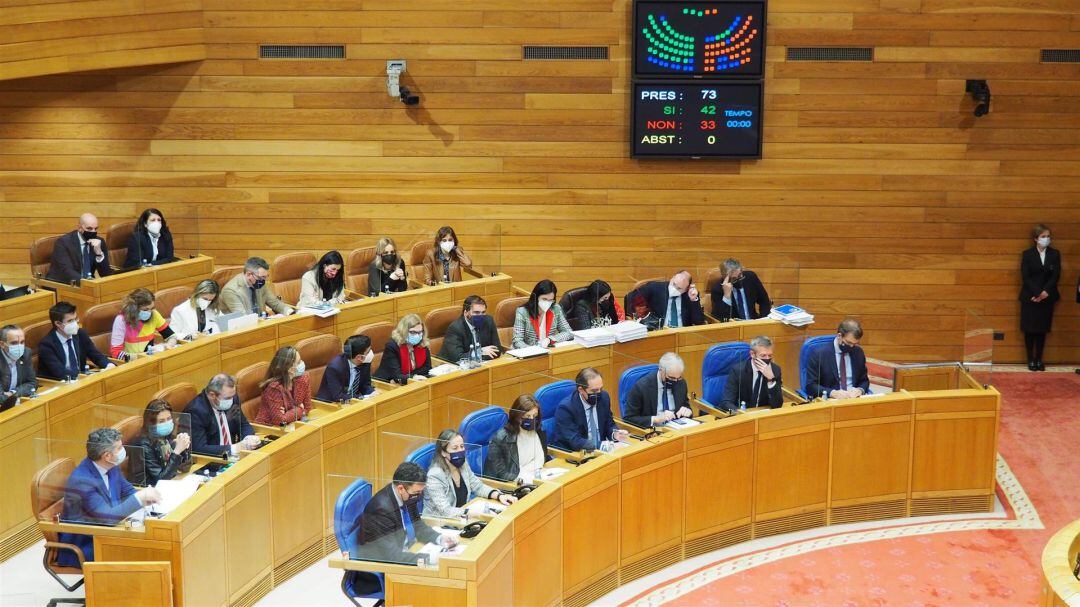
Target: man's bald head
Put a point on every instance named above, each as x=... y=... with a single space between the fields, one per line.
x=88 y=222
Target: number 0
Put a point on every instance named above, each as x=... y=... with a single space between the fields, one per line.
x=711 y=139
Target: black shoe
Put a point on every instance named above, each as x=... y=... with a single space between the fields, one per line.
x=1031 y=366
x=1039 y=366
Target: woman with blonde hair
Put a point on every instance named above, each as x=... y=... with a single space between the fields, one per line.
x=387 y=271
x=197 y=314
x=136 y=326
x=286 y=390
x=406 y=354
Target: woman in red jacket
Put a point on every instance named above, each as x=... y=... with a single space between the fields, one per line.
x=286 y=391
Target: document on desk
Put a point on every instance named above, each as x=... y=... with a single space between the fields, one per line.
x=682 y=423
x=434 y=551
x=527 y=352
x=325 y=312
x=173 y=493
x=443 y=369
x=547 y=474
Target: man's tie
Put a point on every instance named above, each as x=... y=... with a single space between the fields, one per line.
x=756 y=397
x=354 y=388
x=73 y=359
x=843 y=370
x=744 y=310
x=406 y=521
x=223 y=427
x=673 y=312
x=664 y=401
x=594 y=432
x=88 y=261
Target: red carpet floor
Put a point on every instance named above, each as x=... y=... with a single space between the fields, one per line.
x=1039 y=436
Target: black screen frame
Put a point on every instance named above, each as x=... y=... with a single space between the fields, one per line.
x=635 y=30
x=698 y=82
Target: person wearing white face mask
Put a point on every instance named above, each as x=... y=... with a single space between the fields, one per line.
x=348 y=375
x=286 y=390
x=64 y=352
x=1040 y=270
x=151 y=242
x=443 y=262
x=16 y=367
x=218 y=424
x=136 y=326
x=197 y=315
x=541 y=321
x=98 y=493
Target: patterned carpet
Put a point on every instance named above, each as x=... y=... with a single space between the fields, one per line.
x=978 y=562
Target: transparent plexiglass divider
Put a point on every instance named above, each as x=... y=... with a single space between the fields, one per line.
x=978 y=348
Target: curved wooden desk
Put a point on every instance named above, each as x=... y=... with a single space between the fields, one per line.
x=1060 y=586
x=612 y=520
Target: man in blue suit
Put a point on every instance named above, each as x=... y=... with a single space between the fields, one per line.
x=98 y=494
x=584 y=419
x=837 y=369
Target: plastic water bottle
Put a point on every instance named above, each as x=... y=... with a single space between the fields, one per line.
x=145 y=264
x=742 y=406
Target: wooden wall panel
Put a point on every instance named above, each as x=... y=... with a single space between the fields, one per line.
x=39 y=37
x=877 y=183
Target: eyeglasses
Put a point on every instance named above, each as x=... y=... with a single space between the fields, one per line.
x=420 y=332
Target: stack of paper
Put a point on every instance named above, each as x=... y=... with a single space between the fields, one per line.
x=625 y=331
x=791 y=315
x=600 y=336
x=682 y=423
x=325 y=311
x=628 y=330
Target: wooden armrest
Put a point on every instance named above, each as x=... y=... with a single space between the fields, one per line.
x=72 y=547
x=519 y=290
x=710 y=319
x=790 y=395
x=353 y=295
x=631 y=428
x=264 y=429
x=415 y=284
x=472 y=272
x=714 y=411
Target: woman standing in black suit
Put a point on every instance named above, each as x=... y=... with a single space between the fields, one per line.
x=1040 y=269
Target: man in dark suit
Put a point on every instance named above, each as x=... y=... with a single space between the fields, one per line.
x=584 y=419
x=740 y=295
x=218 y=424
x=391 y=524
x=838 y=369
x=660 y=397
x=754 y=382
x=97 y=493
x=348 y=375
x=80 y=253
x=473 y=328
x=16 y=367
x=675 y=303
x=64 y=351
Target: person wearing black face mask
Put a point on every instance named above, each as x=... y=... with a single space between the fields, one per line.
x=660 y=397
x=391 y=524
x=80 y=253
x=838 y=369
x=754 y=382
x=519 y=449
x=450 y=480
x=249 y=292
x=387 y=271
x=584 y=420
x=473 y=329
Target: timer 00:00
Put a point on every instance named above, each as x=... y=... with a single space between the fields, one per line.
x=739 y=124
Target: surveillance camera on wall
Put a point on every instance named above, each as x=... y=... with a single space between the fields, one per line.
x=980 y=92
x=394 y=69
